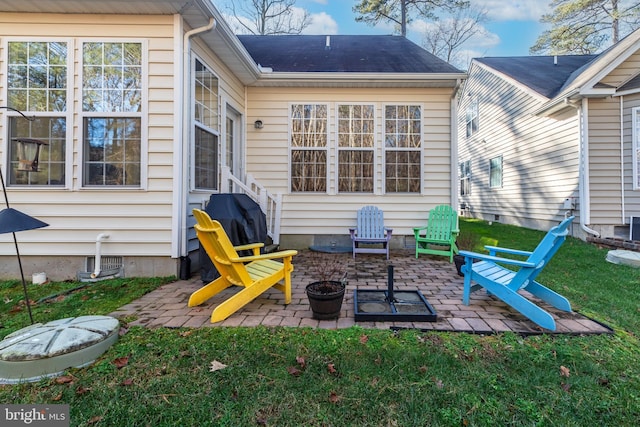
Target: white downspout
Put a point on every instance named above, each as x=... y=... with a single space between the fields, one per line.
x=583 y=178
x=98 y=262
x=622 y=193
x=182 y=162
x=455 y=179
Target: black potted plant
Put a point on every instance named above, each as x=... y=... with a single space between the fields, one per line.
x=466 y=241
x=326 y=293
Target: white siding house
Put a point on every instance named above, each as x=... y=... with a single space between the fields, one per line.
x=552 y=135
x=144 y=104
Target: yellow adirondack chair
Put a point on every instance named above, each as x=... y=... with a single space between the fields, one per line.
x=438 y=237
x=255 y=273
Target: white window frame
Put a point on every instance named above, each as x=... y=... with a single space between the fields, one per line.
x=465 y=177
x=374 y=148
x=67 y=114
x=491 y=169
x=385 y=149
x=217 y=132
x=291 y=148
x=635 y=143
x=142 y=115
x=472 y=115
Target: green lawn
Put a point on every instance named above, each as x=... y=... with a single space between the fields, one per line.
x=354 y=377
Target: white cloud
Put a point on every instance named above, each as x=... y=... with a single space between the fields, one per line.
x=321 y=23
x=518 y=10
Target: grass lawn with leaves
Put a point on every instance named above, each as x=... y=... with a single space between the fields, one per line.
x=353 y=377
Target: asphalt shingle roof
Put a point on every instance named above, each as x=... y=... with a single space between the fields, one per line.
x=345 y=54
x=546 y=75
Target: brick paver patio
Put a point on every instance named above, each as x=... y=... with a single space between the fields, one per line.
x=434 y=277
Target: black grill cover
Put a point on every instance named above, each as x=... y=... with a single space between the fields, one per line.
x=241 y=218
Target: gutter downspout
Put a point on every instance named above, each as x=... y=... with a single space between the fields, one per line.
x=181 y=184
x=622 y=193
x=98 y=257
x=455 y=181
x=583 y=177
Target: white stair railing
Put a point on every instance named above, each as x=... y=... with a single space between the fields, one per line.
x=271 y=204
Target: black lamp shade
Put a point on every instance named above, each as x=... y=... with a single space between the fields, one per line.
x=12 y=221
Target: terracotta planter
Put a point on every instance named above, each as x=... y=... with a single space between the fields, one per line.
x=325 y=298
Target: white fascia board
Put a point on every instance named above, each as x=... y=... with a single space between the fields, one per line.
x=440 y=79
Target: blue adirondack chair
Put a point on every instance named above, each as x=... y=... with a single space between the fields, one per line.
x=505 y=283
x=370 y=232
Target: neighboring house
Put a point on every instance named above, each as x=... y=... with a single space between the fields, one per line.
x=146 y=105
x=540 y=137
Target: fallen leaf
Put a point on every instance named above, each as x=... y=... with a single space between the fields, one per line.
x=186 y=333
x=566 y=387
x=294 y=371
x=65 y=379
x=57 y=398
x=422 y=369
x=216 y=366
x=301 y=361
x=331 y=367
x=82 y=390
x=128 y=381
x=364 y=339
x=333 y=397
x=603 y=381
x=95 y=419
x=564 y=371
x=121 y=362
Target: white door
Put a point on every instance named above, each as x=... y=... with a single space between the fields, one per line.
x=233 y=143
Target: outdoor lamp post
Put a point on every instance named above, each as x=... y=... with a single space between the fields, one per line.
x=12 y=220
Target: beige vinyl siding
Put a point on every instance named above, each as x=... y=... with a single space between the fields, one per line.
x=333 y=213
x=540 y=154
x=231 y=91
x=623 y=72
x=137 y=220
x=631 y=196
x=604 y=161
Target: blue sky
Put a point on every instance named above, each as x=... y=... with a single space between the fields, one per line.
x=512 y=28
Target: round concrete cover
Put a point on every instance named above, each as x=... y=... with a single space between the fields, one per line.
x=46 y=350
x=621 y=256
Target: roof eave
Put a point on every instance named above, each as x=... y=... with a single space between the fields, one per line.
x=558 y=103
x=361 y=79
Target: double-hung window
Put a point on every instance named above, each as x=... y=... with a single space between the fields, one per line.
x=206 y=111
x=112 y=79
x=465 y=177
x=37 y=85
x=472 y=117
x=308 y=147
x=355 y=148
x=402 y=148
x=495 y=172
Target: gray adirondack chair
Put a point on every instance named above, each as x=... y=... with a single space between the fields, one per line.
x=370 y=236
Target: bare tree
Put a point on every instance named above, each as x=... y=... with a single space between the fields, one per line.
x=269 y=17
x=446 y=36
